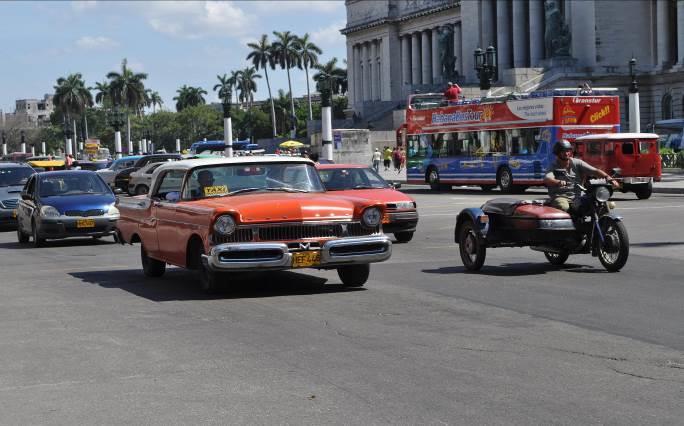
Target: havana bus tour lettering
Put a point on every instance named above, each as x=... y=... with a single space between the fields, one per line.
x=456 y=117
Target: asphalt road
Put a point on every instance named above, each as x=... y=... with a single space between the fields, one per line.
x=86 y=339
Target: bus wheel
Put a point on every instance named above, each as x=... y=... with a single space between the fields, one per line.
x=433 y=179
x=644 y=192
x=505 y=180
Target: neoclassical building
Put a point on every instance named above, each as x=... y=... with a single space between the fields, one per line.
x=395 y=47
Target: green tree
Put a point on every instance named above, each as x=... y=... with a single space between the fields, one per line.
x=328 y=79
x=308 y=57
x=72 y=98
x=102 y=97
x=286 y=55
x=247 y=85
x=189 y=96
x=153 y=100
x=262 y=57
x=127 y=88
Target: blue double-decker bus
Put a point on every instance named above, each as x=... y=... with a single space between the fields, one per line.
x=505 y=143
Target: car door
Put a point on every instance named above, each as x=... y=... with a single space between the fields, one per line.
x=169 y=229
x=26 y=206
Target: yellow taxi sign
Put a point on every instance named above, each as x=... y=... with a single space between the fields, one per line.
x=215 y=190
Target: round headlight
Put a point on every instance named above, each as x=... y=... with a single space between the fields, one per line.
x=602 y=194
x=113 y=211
x=224 y=225
x=371 y=217
x=49 y=211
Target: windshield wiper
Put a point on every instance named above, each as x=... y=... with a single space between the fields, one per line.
x=286 y=189
x=363 y=187
x=238 y=191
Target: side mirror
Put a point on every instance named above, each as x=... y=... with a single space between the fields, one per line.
x=118 y=191
x=26 y=196
x=396 y=185
x=617 y=172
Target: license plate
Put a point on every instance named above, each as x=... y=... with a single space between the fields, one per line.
x=85 y=223
x=306 y=259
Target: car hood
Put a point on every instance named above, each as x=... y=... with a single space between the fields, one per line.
x=10 y=192
x=278 y=207
x=384 y=195
x=79 y=202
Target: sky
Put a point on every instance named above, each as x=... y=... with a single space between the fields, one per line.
x=174 y=42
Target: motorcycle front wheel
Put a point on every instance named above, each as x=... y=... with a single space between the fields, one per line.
x=614 y=251
x=471 y=247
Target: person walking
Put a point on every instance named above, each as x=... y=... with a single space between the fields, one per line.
x=402 y=159
x=376 y=160
x=396 y=158
x=387 y=157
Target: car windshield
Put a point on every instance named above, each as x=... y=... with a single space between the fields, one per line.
x=14 y=176
x=58 y=185
x=233 y=179
x=340 y=179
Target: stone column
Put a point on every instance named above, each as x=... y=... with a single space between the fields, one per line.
x=436 y=63
x=503 y=34
x=378 y=68
x=391 y=78
x=358 y=74
x=680 y=32
x=426 y=60
x=405 y=60
x=458 y=48
x=488 y=24
x=520 y=43
x=415 y=59
x=536 y=32
x=350 y=74
x=371 y=69
x=583 y=29
x=470 y=20
x=366 y=73
x=662 y=33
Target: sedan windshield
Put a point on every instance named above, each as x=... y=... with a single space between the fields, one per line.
x=234 y=179
x=15 y=176
x=340 y=179
x=58 y=185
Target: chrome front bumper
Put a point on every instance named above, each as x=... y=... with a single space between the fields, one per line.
x=277 y=256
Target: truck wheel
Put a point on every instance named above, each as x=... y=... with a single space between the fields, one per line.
x=21 y=237
x=354 y=275
x=557 y=258
x=471 y=247
x=151 y=267
x=403 y=237
x=644 y=192
x=141 y=190
x=505 y=180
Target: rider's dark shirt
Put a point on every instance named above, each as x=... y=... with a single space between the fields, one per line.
x=576 y=172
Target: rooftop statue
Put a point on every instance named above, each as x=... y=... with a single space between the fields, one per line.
x=446 y=52
x=557 y=35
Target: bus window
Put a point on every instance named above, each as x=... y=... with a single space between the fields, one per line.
x=627 y=148
x=524 y=141
x=415 y=150
x=645 y=147
x=497 y=143
x=608 y=148
x=594 y=148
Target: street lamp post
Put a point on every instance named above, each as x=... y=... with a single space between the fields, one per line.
x=116 y=120
x=634 y=116
x=4 y=144
x=486 y=67
x=326 y=122
x=67 y=136
x=227 y=124
x=23 y=142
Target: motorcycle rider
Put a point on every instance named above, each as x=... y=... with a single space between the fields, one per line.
x=562 y=189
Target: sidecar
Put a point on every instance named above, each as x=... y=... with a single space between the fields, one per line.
x=507 y=222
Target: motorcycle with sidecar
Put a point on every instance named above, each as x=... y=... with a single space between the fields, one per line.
x=590 y=227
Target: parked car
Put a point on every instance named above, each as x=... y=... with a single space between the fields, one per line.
x=141 y=179
x=13 y=177
x=251 y=214
x=110 y=172
x=362 y=181
x=91 y=165
x=62 y=204
x=123 y=177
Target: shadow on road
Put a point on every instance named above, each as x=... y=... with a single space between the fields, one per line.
x=181 y=284
x=657 y=244
x=510 y=269
x=71 y=242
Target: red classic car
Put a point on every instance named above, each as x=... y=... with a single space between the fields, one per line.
x=360 y=181
x=251 y=213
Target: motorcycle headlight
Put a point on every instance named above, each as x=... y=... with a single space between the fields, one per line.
x=602 y=194
x=113 y=211
x=49 y=211
x=224 y=225
x=371 y=217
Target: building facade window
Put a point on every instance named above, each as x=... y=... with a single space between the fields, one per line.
x=666 y=107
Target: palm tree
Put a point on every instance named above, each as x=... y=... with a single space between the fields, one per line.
x=189 y=96
x=329 y=78
x=308 y=57
x=285 y=55
x=103 y=93
x=282 y=104
x=155 y=101
x=72 y=97
x=247 y=85
x=225 y=88
x=262 y=57
x=127 y=88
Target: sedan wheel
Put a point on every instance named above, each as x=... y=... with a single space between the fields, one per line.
x=151 y=267
x=37 y=241
x=21 y=237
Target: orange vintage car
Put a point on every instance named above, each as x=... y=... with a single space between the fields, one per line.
x=251 y=213
x=361 y=181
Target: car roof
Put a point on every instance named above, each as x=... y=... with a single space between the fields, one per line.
x=617 y=136
x=130 y=157
x=67 y=172
x=341 y=166
x=13 y=164
x=199 y=162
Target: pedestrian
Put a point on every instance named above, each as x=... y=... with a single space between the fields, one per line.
x=377 y=156
x=387 y=158
x=453 y=92
x=396 y=158
x=402 y=159
x=68 y=161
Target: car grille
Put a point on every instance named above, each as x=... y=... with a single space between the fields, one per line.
x=85 y=213
x=9 y=204
x=298 y=231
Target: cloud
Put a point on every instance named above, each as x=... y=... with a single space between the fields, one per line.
x=82 y=5
x=329 y=36
x=293 y=6
x=99 y=42
x=196 y=19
